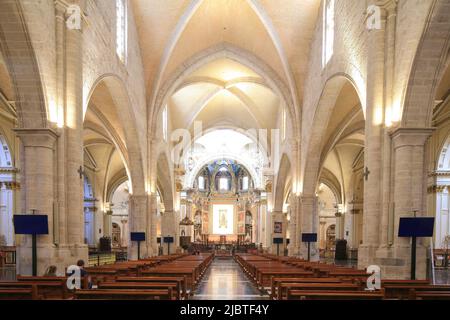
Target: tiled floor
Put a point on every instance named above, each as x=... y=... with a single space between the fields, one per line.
x=225 y=281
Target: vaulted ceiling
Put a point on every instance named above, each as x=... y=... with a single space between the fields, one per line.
x=224 y=93
x=172 y=31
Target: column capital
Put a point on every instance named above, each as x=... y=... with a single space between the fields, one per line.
x=388 y=5
x=412 y=137
x=41 y=137
x=61 y=6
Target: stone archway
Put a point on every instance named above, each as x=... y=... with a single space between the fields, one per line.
x=428 y=67
x=313 y=148
x=19 y=55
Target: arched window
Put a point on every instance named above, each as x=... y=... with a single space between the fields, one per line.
x=164 y=123
x=283 y=124
x=6 y=196
x=89 y=213
x=328 y=31
x=201 y=183
x=223 y=180
x=245 y=183
x=121 y=29
x=223 y=184
x=5 y=155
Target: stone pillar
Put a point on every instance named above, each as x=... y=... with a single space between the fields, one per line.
x=125 y=233
x=60 y=214
x=410 y=190
x=74 y=134
x=373 y=146
x=391 y=19
x=169 y=227
x=277 y=219
x=309 y=223
x=138 y=223
x=38 y=192
x=152 y=219
x=294 y=238
x=189 y=214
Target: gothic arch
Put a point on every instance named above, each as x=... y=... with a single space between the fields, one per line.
x=164 y=181
x=428 y=66
x=133 y=151
x=21 y=61
x=283 y=179
x=314 y=146
x=224 y=50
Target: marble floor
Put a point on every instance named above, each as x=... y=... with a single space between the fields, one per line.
x=225 y=280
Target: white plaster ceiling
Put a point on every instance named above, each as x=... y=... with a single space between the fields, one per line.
x=172 y=31
x=221 y=93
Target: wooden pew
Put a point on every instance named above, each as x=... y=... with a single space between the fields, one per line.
x=123 y=294
x=283 y=287
x=19 y=294
x=45 y=290
x=431 y=295
x=180 y=281
x=393 y=291
x=274 y=289
x=333 y=295
x=187 y=273
x=173 y=287
x=264 y=276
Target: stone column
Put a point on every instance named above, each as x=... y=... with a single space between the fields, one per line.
x=38 y=193
x=138 y=223
x=74 y=134
x=410 y=190
x=391 y=19
x=309 y=223
x=294 y=239
x=373 y=146
x=189 y=214
x=125 y=233
x=277 y=218
x=152 y=219
x=60 y=214
x=169 y=227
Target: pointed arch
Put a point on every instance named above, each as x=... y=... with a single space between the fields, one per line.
x=428 y=66
x=314 y=146
x=132 y=148
x=283 y=179
x=229 y=51
x=22 y=64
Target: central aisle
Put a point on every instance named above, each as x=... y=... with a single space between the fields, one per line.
x=225 y=280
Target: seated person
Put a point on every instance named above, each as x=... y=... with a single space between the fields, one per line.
x=84 y=274
x=50 y=272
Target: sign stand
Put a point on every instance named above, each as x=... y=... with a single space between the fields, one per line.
x=31 y=224
x=278 y=241
x=138 y=237
x=308 y=238
x=168 y=240
x=415 y=227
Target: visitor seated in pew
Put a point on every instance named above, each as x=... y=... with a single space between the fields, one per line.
x=83 y=274
x=50 y=272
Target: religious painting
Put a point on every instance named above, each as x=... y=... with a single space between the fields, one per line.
x=277 y=227
x=241 y=228
x=223 y=219
x=205 y=223
x=223 y=222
